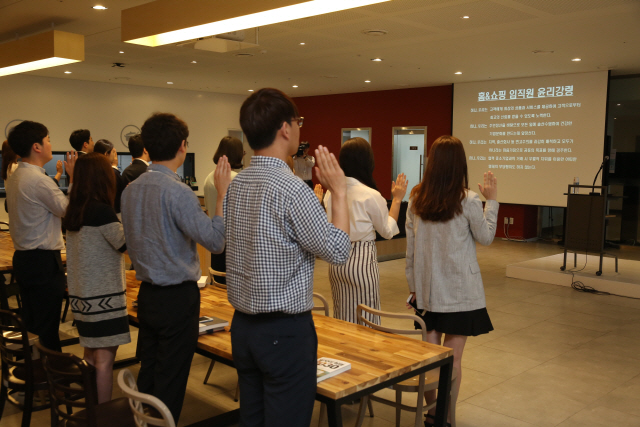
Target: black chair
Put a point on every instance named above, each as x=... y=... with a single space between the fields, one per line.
x=20 y=372
x=72 y=384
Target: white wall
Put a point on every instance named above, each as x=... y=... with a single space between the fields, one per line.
x=106 y=108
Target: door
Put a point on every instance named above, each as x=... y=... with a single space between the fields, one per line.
x=409 y=148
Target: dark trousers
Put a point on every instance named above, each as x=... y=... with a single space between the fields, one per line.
x=276 y=359
x=219 y=263
x=40 y=276
x=167 y=339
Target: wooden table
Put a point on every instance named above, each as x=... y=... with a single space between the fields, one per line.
x=378 y=359
x=6 y=252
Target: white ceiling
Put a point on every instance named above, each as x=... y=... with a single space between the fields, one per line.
x=426 y=42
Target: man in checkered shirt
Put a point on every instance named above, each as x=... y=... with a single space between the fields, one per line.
x=274 y=228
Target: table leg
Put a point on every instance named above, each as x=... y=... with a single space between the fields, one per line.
x=334 y=413
x=444 y=393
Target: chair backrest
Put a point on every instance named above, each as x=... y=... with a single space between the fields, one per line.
x=4 y=223
x=72 y=384
x=213 y=273
x=363 y=321
x=324 y=306
x=15 y=348
x=128 y=385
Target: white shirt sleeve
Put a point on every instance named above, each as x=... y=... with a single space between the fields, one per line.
x=376 y=207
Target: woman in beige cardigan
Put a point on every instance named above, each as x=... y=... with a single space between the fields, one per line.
x=444 y=220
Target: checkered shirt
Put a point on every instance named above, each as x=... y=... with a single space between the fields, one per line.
x=274 y=228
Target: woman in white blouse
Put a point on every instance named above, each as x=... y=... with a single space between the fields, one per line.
x=358 y=281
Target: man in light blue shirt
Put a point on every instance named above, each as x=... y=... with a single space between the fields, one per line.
x=163 y=221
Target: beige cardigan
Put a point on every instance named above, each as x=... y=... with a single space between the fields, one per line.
x=442 y=267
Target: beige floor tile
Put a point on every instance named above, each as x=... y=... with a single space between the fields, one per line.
x=597 y=360
x=510 y=322
x=512 y=290
x=618 y=345
x=608 y=310
x=588 y=321
x=495 y=301
x=539 y=349
x=468 y=415
x=496 y=362
x=550 y=300
x=526 y=309
x=629 y=329
x=601 y=417
x=474 y=382
x=625 y=398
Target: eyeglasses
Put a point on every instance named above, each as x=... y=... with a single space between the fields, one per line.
x=300 y=120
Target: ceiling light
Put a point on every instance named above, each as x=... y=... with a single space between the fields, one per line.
x=458 y=72
x=302 y=44
x=99 y=7
x=43 y=50
x=67 y=72
x=294 y=86
x=147 y=24
x=375 y=33
x=367 y=81
x=618 y=105
x=576 y=59
x=121 y=51
x=194 y=62
x=377 y=59
x=169 y=83
x=464 y=17
x=250 y=90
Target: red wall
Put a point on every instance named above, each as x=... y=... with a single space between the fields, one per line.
x=325 y=116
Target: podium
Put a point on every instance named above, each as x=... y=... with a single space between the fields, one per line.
x=586 y=224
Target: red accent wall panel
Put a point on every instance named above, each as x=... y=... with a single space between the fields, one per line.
x=325 y=116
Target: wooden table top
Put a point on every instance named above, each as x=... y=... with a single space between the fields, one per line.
x=7 y=250
x=374 y=356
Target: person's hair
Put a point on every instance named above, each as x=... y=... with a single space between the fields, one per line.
x=78 y=138
x=136 y=146
x=24 y=135
x=231 y=147
x=93 y=179
x=262 y=115
x=103 y=146
x=439 y=196
x=9 y=157
x=356 y=160
x=163 y=134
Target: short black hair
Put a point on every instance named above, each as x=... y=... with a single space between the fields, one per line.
x=231 y=147
x=78 y=138
x=103 y=146
x=24 y=135
x=262 y=115
x=136 y=146
x=163 y=134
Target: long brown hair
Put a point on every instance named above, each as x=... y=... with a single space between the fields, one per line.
x=439 y=196
x=9 y=157
x=356 y=160
x=93 y=179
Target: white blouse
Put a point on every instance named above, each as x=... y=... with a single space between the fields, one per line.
x=368 y=213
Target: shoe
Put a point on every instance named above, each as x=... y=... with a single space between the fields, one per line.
x=429 y=420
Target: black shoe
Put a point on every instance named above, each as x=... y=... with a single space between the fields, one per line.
x=428 y=422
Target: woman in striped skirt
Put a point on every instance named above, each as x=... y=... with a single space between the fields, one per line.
x=358 y=281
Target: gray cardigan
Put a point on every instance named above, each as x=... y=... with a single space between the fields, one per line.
x=442 y=267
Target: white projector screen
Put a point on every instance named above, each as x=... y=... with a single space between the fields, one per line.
x=535 y=134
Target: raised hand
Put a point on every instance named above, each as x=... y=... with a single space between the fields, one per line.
x=222 y=176
x=399 y=187
x=319 y=192
x=329 y=172
x=59 y=167
x=490 y=188
x=70 y=163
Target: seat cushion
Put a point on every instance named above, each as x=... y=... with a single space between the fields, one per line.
x=116 y=413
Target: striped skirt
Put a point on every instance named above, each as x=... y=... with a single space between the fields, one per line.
x=356 y=282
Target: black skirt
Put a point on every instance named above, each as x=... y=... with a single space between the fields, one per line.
x=468 y=323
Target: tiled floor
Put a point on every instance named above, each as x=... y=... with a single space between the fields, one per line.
x=556 y=357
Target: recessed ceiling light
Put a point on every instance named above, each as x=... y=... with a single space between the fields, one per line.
x=99 y=7
x=367 y=81
x=194 y=62
x=169 y=83
x=375 y=33
x=69 y=72
x=377 y=59
x=121 y=51
x=302 y=43
x=618 y=105
x=250 y=90
x=615 y=118
x=576 y=59
x=294 y=86
x=464 y=17
x=458 y=72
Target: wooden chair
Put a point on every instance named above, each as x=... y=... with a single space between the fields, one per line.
x=212 y=274
x=72 y=384
x=127 y=384
x=20 y=372
x=412 y=385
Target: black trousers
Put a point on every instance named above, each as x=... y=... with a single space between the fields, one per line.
x=219 y=263
x=276 y=359
x=167 y=339
x=40 y=276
